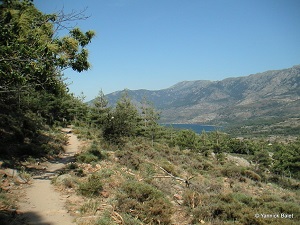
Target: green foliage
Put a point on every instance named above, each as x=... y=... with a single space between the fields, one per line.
x=149 y=116
x=123 y=121
x=5 y=201
x=186 y=139
x=129 y=158
x=232 y=171
x=130 y=220
x=90 y=206
x=241 y=146
x=32 y=91
x=262 y=159
x=145 y=202
x=252 y=175
x=93 y=154
x=99 y=111
x=285 y=182
x=92 y=187
x=105 y=219
x=210 y=197
x=287 y=159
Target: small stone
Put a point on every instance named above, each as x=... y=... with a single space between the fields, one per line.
x=105 y=194
x=177 y=197
x=61 y=179
x=180 y=202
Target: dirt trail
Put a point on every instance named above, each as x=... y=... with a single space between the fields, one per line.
x=43 y=205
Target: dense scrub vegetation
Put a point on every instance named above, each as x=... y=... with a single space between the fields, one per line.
x=282 y=126
x=164 y=181
x=159 y=175
x=132 y=170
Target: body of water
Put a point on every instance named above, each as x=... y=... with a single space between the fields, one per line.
x=198 y=128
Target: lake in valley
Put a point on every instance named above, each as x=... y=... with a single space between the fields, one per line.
x=198 y=128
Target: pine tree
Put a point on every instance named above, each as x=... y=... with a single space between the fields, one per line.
x=99 y=110
x=149 y=120
x=123 y=121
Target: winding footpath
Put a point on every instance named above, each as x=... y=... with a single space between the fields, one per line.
x=42 y=204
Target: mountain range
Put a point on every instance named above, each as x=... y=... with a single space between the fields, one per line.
x=271 y=94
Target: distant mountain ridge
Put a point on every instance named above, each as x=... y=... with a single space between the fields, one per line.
x=271 y=94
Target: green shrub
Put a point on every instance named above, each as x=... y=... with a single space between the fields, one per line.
x=245 y=199
x=79 y=172
x=90 y=207
x=72 y=166
x=86 y=157
x=106 y=173
x=144 y=202
x=246 y=217
x=186 y=139
x=69 y=183
x=252 y=175
x=232 y=171
x=208 y=166
x=5 y=201
x=191 y=198
x=282 y=207
x=220 y=213
x=285 y=182
x=169 y=167
x=130 y=220
x=268 y=198
x=129 y=159
x=92 y=187
x=105 y=219
x=93 y=154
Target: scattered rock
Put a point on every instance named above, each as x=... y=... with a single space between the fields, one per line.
x=60 y=180
x=105 y=194
x=20 y=180
x=9 y=172
x=177 y=197
x=239 y=161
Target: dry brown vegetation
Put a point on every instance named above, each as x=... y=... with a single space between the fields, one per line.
x=139 y=182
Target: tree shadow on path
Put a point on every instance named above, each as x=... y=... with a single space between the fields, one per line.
x=8 y=217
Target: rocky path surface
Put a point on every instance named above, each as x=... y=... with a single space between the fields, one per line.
x=42 y=204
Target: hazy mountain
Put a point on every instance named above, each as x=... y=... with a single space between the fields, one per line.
x=269 y=94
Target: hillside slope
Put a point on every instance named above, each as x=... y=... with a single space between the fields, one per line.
x=270 y=94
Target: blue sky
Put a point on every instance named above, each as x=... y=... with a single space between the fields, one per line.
x=153 y=44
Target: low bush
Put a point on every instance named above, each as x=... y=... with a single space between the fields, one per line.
x=106 y=173
x=245 y=199
x=65 y=180
x=144 y=202
x=130 y=220
x=232 y=171
x=90 y=207
x=86 y=157
x=92 y=187
x=72 y=166
x=251 y=175
x=282 y=207
x=285 y=182
x=93 y=154
x=5 y=201
x=105 y=219
x=191 y=198
x=129 y=159
x=169 y=167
